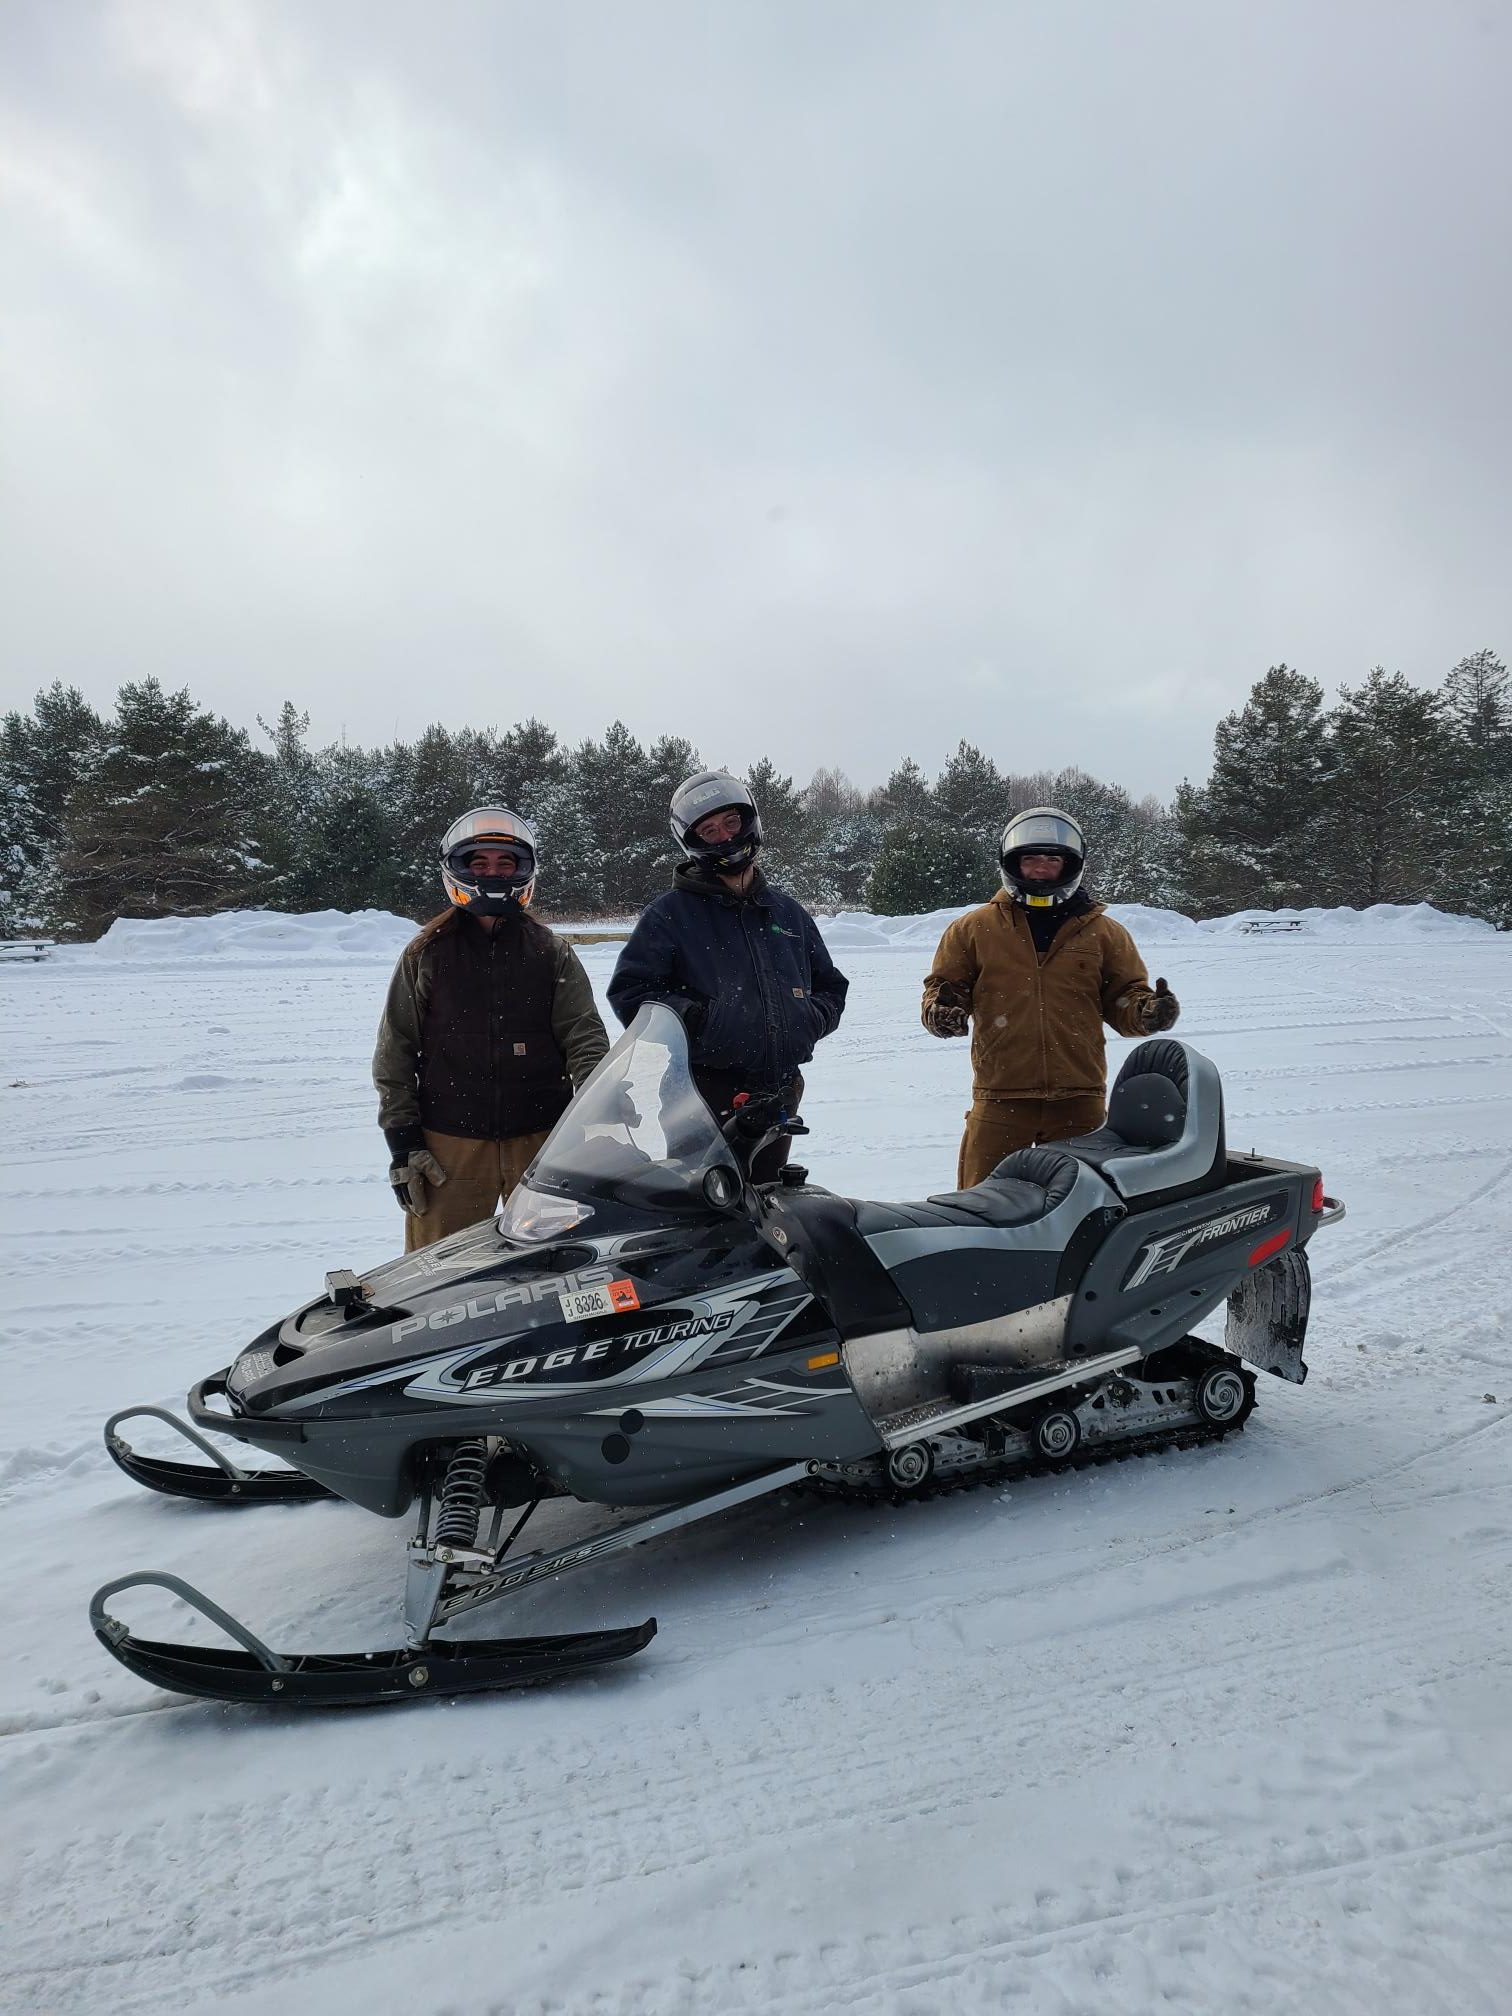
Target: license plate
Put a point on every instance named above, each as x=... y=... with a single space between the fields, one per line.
x=581 y=1303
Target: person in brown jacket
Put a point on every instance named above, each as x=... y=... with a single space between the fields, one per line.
x=1034 y=974
x=488 y=1029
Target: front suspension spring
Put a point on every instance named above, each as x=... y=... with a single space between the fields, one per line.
x=461 y=1498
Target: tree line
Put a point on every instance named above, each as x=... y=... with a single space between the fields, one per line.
x=1394 y=794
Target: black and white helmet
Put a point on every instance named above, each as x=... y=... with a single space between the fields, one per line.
x=497 y=828
x=700 y=797
x=1043 y=829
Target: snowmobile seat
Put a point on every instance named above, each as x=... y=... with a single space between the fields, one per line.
x=816 y=1233
x=1017 y=1239
x=1023 y=1187
x=1164 y=1135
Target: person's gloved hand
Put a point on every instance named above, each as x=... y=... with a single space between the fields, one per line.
x=410 y=1177
x=947 y=1014
x=692 y=1011
x=1161 y=1010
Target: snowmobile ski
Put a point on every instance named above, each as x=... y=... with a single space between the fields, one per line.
x=345 y=1679
x=220 y=1481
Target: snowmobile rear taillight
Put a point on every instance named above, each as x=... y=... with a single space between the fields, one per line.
x=1319 y=1200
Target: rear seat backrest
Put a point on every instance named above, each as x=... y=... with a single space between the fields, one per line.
x=1164 y=1135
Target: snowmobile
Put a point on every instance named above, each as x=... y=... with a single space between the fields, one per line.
x=644 y=1328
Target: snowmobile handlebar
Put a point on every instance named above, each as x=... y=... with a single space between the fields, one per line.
x=758 y=1117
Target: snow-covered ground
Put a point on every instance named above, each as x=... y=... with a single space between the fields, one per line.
x=1227 y=1731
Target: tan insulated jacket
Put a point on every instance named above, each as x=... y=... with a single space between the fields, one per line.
x=575 y=1026
x=1036 y=1030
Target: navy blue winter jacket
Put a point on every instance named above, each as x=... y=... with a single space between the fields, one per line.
x=762 y=986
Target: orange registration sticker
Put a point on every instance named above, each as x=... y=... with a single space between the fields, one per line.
x=614 y=1297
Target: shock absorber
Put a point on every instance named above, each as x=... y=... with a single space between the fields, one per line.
x=461 y=1498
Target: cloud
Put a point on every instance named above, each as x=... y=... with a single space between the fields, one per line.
x=832 y=381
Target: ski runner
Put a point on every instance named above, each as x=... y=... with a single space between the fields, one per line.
x=741 y=960
x=1034 y=974
x=488 y=1028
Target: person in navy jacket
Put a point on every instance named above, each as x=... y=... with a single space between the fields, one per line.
x=741 y=961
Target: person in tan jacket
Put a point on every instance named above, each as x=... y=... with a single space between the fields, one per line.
x=488 y=1029
x=1033 y=975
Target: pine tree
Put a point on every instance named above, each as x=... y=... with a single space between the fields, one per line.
x=1126 y=844
x=43 y=756
x=1479 y=718
x=27 y=888
x=524 y=769
x=293 y=791
x=1476 y=703
x=970 y=795
x=905 y=799
x=1392 y=773
x=352 y=848
x=166 y=823
x=1250 y=831
x=842 y=836
x=785 y=823
x=620 y=795
x=923 y=868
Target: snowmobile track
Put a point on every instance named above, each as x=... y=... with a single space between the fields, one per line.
x=1010 y=1470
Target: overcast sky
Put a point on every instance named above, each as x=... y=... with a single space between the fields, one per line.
x=830 y=379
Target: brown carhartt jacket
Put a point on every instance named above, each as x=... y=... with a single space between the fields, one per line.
x=1036 y=1029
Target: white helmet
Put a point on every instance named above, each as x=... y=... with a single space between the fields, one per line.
x=698 y=798
x=1043 y=829
x=489 y=895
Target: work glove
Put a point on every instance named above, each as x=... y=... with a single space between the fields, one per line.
x=1160 y=1011
x=947 y=1014
x=410 y=1176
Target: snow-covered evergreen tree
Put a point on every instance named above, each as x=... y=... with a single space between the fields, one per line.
x=922 y=868
x=27 y=885
x=905 y=799
x=1249 y=831
x=970 y=794
x=1476 y=703
x=170 y=818
x=43 y=756
x=1392 y=776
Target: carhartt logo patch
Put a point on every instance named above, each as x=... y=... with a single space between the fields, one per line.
x=519 y=1049
x=797 y=993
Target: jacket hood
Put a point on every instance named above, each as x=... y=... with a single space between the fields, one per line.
x=690 y=875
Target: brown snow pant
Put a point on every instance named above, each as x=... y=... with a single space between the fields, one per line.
x=478 y=1174
x=996 y=1127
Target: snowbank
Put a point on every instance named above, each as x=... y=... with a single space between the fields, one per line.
x=237 y=936
x=1383 y=923
x=858 y=930
x=1380 y=924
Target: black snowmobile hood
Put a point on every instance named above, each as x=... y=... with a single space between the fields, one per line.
x=478 y=1289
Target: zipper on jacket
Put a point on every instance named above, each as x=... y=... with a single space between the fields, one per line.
x=496 y=1103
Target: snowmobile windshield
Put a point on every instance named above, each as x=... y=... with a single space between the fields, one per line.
x=638 y=1134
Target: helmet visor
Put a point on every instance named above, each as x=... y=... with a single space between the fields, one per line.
x=492 y=863
x=1043 y=833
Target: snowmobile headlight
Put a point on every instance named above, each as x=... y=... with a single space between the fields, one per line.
x=535 y=1216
